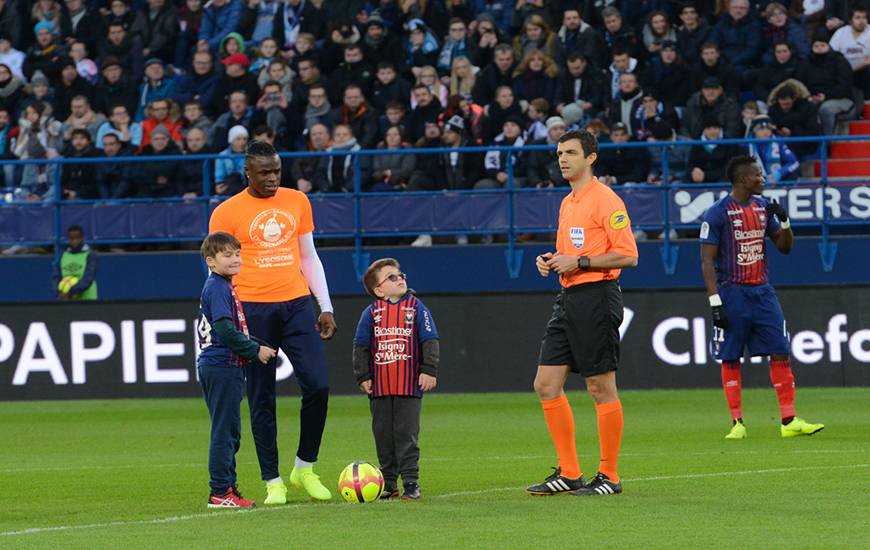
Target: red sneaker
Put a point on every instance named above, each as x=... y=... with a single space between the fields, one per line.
x=229 y=499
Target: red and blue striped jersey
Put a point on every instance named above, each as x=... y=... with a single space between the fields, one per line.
x=394 y=332
x=218 y=301
x=739 y=230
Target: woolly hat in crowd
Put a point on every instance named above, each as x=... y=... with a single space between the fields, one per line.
x=711 y=82
x=43 y=26
x=38 y=78
x=154 y=60
x=455 y=124
x=237 y=131
x=761 y=121
x=554 y=121
x=236 y=58
x=821 y=34
x=618 y=126
x=160 y=130
x=572 y=113
x=516 y=119
x=711 y=121
x=112 y=61
x=661 y=130
x=375 y=19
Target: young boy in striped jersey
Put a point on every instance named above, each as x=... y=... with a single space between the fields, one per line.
x=395 y=360
x=225 y=347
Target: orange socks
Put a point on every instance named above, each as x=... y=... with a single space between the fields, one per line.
x=610 y=436
x=560 y=421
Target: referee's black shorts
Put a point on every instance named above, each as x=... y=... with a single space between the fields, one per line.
x=583 y=331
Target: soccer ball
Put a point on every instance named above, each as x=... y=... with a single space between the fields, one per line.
x=360 y=482
x=67 y=283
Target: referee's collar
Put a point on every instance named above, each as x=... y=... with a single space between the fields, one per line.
x=575 y=197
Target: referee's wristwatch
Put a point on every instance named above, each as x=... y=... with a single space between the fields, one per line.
x=583 y=263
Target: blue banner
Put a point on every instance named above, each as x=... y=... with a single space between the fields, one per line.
x=844 y=202
x=532 y=210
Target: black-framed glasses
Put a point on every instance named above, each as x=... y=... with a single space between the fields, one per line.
x=393 y=277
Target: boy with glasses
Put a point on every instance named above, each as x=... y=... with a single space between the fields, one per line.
x=395 y=360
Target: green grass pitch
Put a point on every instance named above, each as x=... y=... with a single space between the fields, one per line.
x=132 y=474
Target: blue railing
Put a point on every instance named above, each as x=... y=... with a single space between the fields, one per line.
x=511 y=210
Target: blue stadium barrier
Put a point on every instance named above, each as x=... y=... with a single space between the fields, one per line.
x=357 y=215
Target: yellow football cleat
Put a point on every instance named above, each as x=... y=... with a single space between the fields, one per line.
x=307 y=479
x=276 y=493
x=738 y=431
x=799 y=426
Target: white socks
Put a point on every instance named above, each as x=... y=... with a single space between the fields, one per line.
x=277 y=479
x=302 y=464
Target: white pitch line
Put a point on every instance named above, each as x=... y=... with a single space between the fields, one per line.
x=217 y=513
x=423 y=459
x=660 y=478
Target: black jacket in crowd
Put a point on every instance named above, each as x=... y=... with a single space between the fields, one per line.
x=113 y=178
x=802 y=121
x=829 y=74
x=147 y=175
x=488 y=80
x=542 y=167
x=80 y=178
x=772 y=75
x=626 y=164
x=713 y=162
x=592 y=89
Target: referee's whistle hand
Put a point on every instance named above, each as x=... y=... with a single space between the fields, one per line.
x=326 y=325
x=541 y=264
x=562 y=264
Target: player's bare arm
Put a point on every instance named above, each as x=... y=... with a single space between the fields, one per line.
x=562 y=264
x=709 y=252
x=783 y=240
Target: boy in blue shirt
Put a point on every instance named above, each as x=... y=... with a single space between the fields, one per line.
x=395 y=360
x=225 y=347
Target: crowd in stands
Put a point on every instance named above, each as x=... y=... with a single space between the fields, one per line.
x=92 y=78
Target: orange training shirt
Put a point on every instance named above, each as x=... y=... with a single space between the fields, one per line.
x=269 y=231
x=591 y=223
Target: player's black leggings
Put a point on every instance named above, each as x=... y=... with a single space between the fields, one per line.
x=290 y=326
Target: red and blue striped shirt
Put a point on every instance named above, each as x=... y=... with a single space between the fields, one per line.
x=739 y=230
x=394 y=332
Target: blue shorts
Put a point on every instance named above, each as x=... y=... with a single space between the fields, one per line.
x=755 y=321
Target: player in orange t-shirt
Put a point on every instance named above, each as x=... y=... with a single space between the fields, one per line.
x=280 y=271
x=594 y=242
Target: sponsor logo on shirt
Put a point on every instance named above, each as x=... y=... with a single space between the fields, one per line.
x=751 y=234
x=619 y=219
x=272 y=228
x=390 y=351
x=750 y=252
x=393 y=331
x=705 y=230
